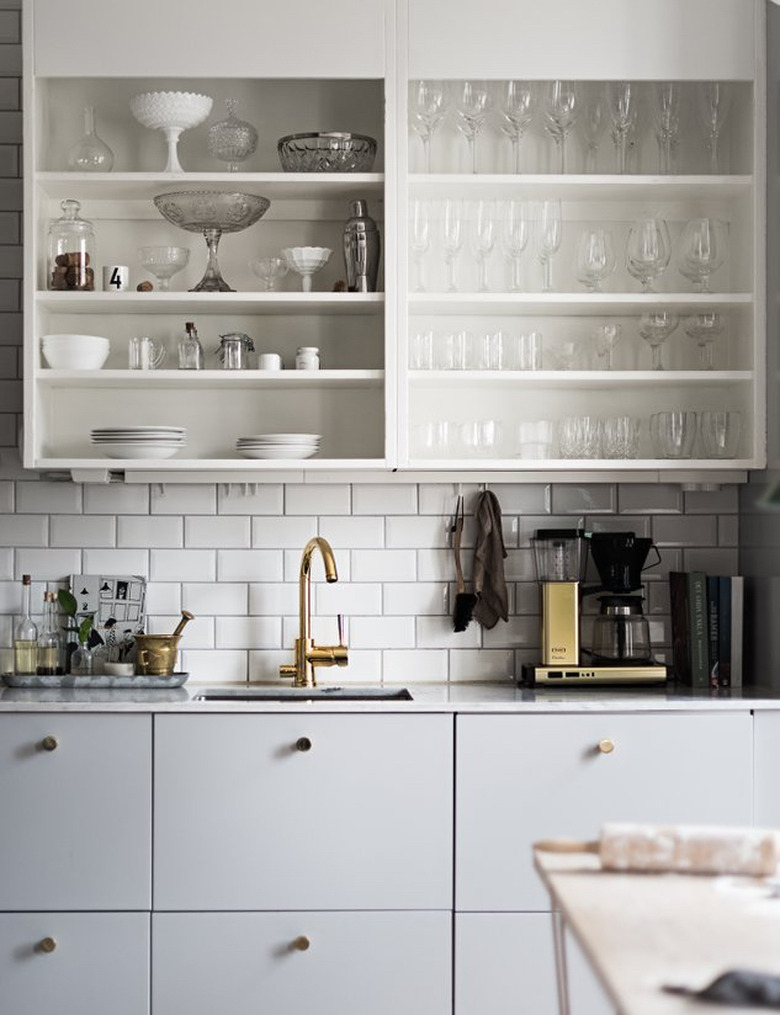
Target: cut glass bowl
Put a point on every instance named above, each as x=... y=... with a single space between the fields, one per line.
x=328 y=152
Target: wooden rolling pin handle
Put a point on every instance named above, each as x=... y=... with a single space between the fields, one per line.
x=566 y=846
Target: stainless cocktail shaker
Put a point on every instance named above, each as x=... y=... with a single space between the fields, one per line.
x=361 y=249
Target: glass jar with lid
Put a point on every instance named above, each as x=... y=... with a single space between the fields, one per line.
x=234 y=349
x=307 y=358
x=71 y=260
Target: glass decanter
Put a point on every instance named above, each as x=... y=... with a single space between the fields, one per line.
x=71 y=250
x=90 y=154
x=232 y=140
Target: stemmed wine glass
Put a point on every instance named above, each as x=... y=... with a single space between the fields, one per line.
x=591 y=122
x=713 y=100
x=655 y=328
x=666 y=120
x=561 y=105
x=427 y=106
x=623 y=102
x=547 y=237
x=419 y=232
x=452 y=237
x=704 y=328
x=648 y=251
x=514 y=237
x=702 y=251
x=483 y=238
x=472 y=103
x=516 y=107
x=606 y=337
x=595 y=258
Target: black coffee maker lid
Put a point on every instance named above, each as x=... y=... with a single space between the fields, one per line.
x=559 y=534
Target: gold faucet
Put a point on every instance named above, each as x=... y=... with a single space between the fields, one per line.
x=308 y=655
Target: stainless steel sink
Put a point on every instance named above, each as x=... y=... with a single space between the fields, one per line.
x=303 y=694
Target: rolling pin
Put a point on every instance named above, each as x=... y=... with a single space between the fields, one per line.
x=688 y=849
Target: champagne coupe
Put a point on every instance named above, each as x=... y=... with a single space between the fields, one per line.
x=702 y=251
x=704 y=328
x=427 y=106
x=561 y=105
x=547 y=238
x=591 y=122
x=514 y=237
x=606 y=337
x=649 y=250
x=595 y=258
x=713 y=100
x=516 y=107
x=655 y=328
x=666 y=121
x=452 y=237
x=623 y=103
x=472 y=103
x=419 y=232
x=483 y=238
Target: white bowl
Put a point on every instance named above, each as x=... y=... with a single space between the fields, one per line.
x=75 y=352
x=140 y=450
x=161 y=110
x=307 y=260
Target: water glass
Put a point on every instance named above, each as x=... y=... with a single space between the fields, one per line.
x=145 y=354
x=435 y=438
x=449 y=351
x=579 y=437
x=620 y=437
x=720 y=432
x=535 y=438
x=673 y=433
x=421 y=351
x=529 y=351
x=481 y=437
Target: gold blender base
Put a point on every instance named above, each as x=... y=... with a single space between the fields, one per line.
x=576 y=676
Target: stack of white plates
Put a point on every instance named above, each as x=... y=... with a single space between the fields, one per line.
x=139 y=441
x=279 y=445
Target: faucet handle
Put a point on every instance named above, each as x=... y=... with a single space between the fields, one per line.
x=340 y=622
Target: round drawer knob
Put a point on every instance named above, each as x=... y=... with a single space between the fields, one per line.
x=303 y=744
x=302 y=943
x=50 y=744
x=48 y=944
x=606 y=746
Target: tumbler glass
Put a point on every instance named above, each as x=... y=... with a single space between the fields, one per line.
x=720 y=432
x=673 y=433
x=620 y=437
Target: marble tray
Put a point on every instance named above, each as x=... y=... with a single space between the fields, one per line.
x=140 y=681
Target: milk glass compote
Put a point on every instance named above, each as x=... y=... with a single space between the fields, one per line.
x=655 y=328
x=561 y=105
x=483 y=238
x=516 y=100
x=648 y=251
x=547 y=237
x=514 y=237
x=453 y=229
x=472 y=104
x=427 y=106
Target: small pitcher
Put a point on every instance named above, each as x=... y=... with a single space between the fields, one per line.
x=145 y=354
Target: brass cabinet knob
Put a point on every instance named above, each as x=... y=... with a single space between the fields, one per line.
x=48 y=944
x=606 y=746
x=50 y=743
x=303 y=744
x=301 y=943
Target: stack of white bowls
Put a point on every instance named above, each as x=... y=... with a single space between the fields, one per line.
x=75 y=352
x=279 y=445
x=139 y=441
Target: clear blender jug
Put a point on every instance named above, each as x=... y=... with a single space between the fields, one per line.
x=560 y=558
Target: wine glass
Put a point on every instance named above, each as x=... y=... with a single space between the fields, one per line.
x=703 y=248
x=713 y=100
x=452 y=237
x=704 y=328
x=516 y=108
x=514 y=237
x=427 y=106
x=655 y=327
x=648 y=251
x=164 y=263
x=483 y=238
x=666 y=121
x=561 y=106
x=419 y=233
x=591 y=122
x=270 y=271
x=623 y=103
x=547 y=237
x=595 y=258
x=605 y=338
x=472 y=103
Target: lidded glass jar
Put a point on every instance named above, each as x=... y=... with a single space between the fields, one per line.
x=232 y=140
x=234 y=349
x=307 y=358
x=71 y=258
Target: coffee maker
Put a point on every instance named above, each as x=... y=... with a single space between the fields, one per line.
x=620 y=650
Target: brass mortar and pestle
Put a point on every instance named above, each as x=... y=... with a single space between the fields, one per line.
x=157 y=652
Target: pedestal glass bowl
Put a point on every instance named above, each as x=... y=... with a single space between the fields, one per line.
x=172 y=113
x=163 y=263
x=306 y=261
x=270 y=271
x=328 y=152
x=212 y=213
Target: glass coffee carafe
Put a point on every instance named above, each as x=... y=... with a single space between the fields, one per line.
x=621 y=633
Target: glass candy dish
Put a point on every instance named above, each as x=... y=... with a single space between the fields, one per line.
x=212 y=213
x=306 y=261
x=172 y=113
x=163 y=263
x=327 y=152
x=232 y=140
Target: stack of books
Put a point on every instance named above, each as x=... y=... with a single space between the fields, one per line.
x=707 y=628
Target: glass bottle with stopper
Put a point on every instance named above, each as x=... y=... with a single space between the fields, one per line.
x=90 y=154
x=191 y=356
x=50 y=643
x=26 y=634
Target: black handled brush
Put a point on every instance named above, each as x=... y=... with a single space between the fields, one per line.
x=464 y=601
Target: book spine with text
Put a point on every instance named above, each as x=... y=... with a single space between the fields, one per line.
x=678 y=595
x=698 y=634
x=737 y=627
x=713 y=629
x=724 y=632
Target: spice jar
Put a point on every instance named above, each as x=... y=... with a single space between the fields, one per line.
x=71 y=251
x=307 y=358
x=234 y=349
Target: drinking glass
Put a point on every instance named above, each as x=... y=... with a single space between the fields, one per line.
x=620 y=437
x=623 y=104
x=564 y=356
x=595 y=258
x=528 y=354
x=560 y=113
x=453 y=220
x=449 y=351
x=419 y=233
x=481 y=437
x=472 y=103
x=606 y=337
x=719 y=432
x=703 y=248
x=648 y=251
x=666 y=121
x=427 y=106
x=713 y=99
x=591 y=121
x=421 y=350
x=435 y=438
x=655 y=327
x=483 y=238
x=145 y=354
x=516 y=100
x=673 y=433
x=579 y=437
x=704 y=328
x=547 y=237
x=514 y=237
x=535 y=438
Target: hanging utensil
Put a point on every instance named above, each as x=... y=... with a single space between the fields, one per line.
x=464 y=601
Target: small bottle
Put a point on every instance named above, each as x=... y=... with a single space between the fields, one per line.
x=307 y=358
x=50 y=645
x=26 y=634
x=191 y=355
x=90 y=154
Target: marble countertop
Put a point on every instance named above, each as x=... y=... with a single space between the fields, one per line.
x=480 y=697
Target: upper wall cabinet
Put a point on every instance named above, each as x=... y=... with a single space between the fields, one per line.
x=664 y=39
x=302 y=38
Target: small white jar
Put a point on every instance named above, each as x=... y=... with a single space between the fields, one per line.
x=307 y=358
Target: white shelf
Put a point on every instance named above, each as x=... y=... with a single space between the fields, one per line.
x=580 y=464
x=210 y=464
x=212 y=303
x=591 y=187
x=128 y=380
x=558 y=379
x=563 y=304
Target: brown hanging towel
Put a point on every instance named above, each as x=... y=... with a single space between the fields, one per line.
x=464 y=601
x=489 y=555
